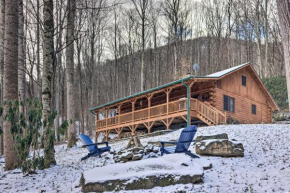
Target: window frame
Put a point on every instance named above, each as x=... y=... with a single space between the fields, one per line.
x=244 y=80
x=255 y=109
x=229 y=103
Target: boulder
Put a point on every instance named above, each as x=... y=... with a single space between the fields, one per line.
x=144 y=174
x=220 y=147
x=126 y=156
x=218 y=136
x=135 y=149
x=156 y=149
x=137 y=157
x=147 y=182
x=154 y=143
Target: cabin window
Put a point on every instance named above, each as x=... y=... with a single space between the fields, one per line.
x=244 y=81
x=254 y=109
x=229 y=103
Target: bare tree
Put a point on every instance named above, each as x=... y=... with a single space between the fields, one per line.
x=48 y=60
x=38 y=24
x=142 y=9
x=284 y=21
x=10 y=76
x=176 y=14
x=2 y=25
x=21 y=54
x=70 y=71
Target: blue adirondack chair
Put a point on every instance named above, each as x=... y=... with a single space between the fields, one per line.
x=182 y=145
x=93 y=148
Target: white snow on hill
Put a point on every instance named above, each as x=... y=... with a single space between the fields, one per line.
x=265 y=167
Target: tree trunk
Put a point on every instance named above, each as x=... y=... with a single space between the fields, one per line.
x=47 y=71
x=21 y=54
x=10 y=76
x=70 y=72
x=38 y=92
x=284 y=21
x=2 y=24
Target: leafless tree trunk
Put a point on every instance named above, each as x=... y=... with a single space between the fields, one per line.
x=2 y=25
x=284 y=21
x=10 y=75
x=70 y=72
x=141 y=7
x=21 y=54
x=58 y=69
x=38 y=50
x=48 y=60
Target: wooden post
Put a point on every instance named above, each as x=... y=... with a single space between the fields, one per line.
x=119 y=112
x=107 y=135
x=97 y=119
x=107 y=112
x=96 y=138
x=149 y=104
x=168 y=91
x=133 y=109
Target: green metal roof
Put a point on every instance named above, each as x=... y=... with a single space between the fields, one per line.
x=141 y=93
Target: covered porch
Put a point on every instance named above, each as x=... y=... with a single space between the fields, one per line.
x=178 y=103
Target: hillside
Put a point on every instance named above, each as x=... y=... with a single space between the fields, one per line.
x=264 y=168
x=122 y=77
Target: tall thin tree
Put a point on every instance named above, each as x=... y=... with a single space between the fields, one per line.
x=284 y=21
x=2 y=24
x=142 y=9
x=10 y=76
x=47 y=70
x=70 y=71
x=21 y=54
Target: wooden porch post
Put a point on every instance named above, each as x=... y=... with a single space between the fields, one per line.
x=119 y=112
x=133 y=109
x=96 y=138
x=107 y=134
x=107 y=114
x=168 y=91
x=97 y=119
x=149 y=104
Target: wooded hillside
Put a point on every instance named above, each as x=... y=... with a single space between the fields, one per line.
x=104 y=50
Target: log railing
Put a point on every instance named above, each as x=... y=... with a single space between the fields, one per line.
x=141 y=114
x=177 y=106
x=158 y=110
x=211 y=113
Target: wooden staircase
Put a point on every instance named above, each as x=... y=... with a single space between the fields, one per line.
x=208 y=114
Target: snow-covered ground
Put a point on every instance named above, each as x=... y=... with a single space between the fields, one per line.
x=265 y=167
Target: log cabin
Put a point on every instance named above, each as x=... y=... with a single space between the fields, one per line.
x=236 y=93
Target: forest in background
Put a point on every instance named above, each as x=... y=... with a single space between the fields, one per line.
x=104 y=50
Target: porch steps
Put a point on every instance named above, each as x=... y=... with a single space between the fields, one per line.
x=208 y=114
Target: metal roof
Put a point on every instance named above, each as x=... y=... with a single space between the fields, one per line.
x=144 y=92
x=224 y=72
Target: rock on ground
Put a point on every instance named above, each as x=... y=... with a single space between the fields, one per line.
x=141 y=183
x=219 y=147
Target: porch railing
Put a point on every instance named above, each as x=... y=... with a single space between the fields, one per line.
x=212 y=114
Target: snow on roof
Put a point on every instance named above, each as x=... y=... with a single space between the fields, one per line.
x=165 y=165
x=224 y=72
